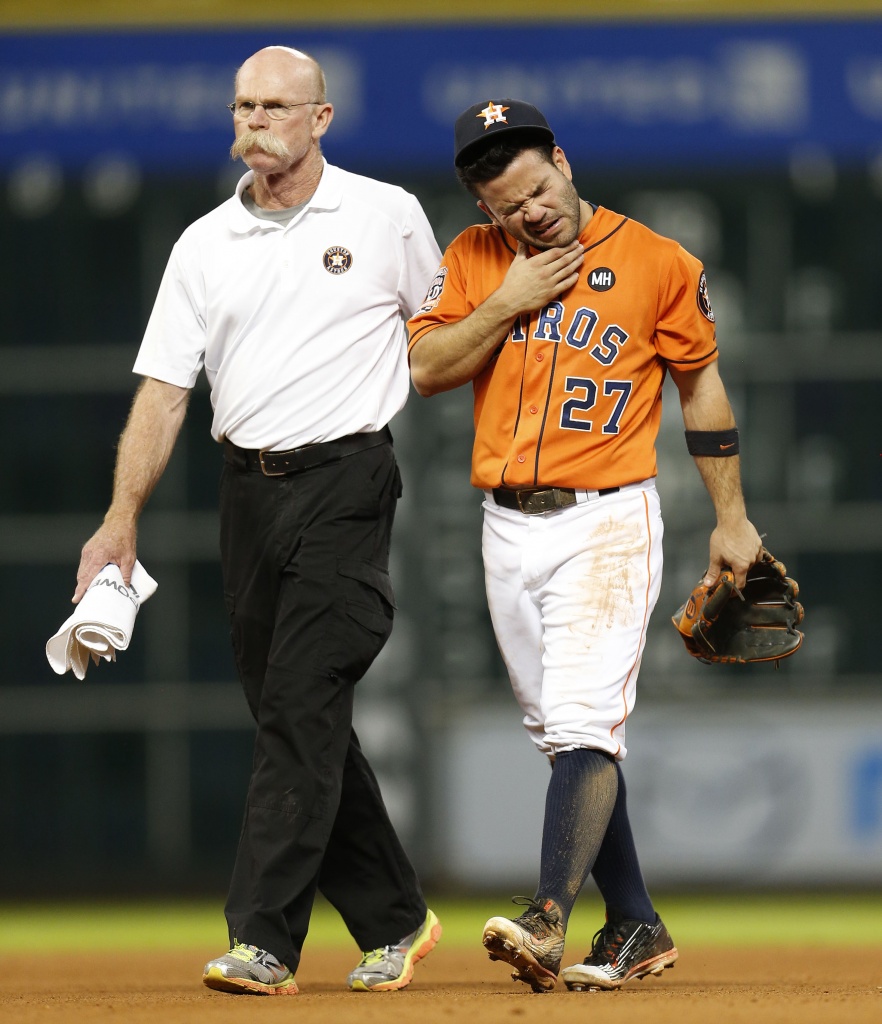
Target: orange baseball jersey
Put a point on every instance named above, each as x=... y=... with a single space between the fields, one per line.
x=572 y=397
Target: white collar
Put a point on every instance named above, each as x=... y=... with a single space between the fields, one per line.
x=327 y=196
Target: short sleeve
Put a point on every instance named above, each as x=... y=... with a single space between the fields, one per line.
x=446 y=300
x=173 y=347
x=685 y=333
x=421 y=257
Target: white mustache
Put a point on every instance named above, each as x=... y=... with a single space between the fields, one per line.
x=258 y=139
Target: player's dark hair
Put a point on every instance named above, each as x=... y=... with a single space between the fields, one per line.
x=490 y=162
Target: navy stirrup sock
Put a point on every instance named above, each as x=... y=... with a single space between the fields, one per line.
x=580 y=799
x=617 y=869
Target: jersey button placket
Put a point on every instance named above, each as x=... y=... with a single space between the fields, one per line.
x=286 y=272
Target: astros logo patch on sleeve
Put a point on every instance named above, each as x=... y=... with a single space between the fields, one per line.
x=337 y=260
x=704 y=299
x=434 y=292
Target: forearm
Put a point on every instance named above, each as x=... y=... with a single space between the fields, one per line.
x=453 y=354
x=735 y=541
x=722 y=478
x=145 y=446
x=143 y=453
x=706 y=408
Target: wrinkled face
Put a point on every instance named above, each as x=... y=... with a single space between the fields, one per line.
x=535 y=201
x=276 y=76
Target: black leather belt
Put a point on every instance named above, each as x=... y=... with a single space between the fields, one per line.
x=309 y=456
x=534 y=501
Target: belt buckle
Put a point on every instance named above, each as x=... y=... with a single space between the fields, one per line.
x=535 y=503
x=263 y=467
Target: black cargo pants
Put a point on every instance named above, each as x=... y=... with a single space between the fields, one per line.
x=305 y=561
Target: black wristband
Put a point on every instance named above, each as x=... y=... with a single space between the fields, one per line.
x=712 y=443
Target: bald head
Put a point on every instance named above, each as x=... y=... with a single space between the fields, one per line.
x=284 y=68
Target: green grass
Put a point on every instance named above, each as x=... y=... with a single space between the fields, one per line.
x=834 y=920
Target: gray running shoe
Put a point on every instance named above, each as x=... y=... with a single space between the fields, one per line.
x=391 y=967
x=533 y=943
x=620 y=952
x=249 y=970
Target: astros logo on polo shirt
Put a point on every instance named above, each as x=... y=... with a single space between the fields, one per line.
x=337 y=260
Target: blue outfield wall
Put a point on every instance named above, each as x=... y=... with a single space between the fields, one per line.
x=715 y=94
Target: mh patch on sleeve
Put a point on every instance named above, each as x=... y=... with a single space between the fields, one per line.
x=704 y=299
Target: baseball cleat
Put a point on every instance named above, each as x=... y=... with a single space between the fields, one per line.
x=532 y=943
x=247 y=970
x=391 y=967
x=622 y=951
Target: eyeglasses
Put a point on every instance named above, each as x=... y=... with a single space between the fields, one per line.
x=277 y=111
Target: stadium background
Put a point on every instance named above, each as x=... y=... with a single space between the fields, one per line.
x=749 y=131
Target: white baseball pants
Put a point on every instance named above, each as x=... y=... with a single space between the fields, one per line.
x=570 y=595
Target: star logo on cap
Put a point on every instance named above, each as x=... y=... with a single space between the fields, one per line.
x=492 y=113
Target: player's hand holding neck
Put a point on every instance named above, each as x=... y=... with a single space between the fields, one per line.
x=456 y=353
x=534 y=280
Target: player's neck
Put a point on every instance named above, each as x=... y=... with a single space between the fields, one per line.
x=587 y=212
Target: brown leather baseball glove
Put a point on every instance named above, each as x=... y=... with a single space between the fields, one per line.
x=720 y=624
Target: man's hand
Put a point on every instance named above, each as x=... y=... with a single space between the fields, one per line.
x=533 y=281
x=113 y=542
x=736 y=545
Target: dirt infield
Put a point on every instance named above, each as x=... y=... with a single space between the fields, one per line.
x=810 y=986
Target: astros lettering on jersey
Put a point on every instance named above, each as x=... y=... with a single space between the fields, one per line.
x=588 y=367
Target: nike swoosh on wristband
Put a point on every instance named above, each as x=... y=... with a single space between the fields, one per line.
x=723 y=447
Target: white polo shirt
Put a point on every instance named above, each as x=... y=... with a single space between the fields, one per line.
x=300 y=327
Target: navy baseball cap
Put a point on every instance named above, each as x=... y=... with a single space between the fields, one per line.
x=492 y=119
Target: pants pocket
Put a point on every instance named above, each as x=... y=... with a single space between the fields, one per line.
x=368 y=606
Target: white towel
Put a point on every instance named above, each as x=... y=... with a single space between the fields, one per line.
x=103 y=621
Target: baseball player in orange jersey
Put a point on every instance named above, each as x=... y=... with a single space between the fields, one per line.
x=566 y=317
